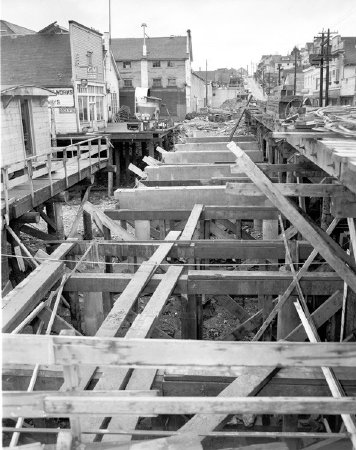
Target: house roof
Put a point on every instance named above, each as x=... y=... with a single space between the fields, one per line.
x=25 y=90
x=8 y=28
x=53 y=28
x=38 y=59
x=129 y=49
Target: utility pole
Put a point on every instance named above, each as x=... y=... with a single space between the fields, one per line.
x=206 y=83
x=279 y=73
x=321 y=71
x=110 y=24
x=327 y=68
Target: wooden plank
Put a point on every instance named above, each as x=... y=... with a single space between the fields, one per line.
x=180 y=442
x=323 y=243
x=192 y=223
x=27 y=294
x=154 y=353
x=19 y=403
x=210 y=212
x=183 y=197
x=114 y=403
x=218 y=282
x=202 y=249
x=102 y=220
x=291 y=189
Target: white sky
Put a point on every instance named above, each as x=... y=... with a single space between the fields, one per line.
x=228 y=33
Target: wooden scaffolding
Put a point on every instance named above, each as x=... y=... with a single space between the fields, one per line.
x=110 y=377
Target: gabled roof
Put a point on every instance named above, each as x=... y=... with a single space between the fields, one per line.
x=130 y=49
x=8 y=28
x=25 y=90
x=53 y=28
x=38 y=59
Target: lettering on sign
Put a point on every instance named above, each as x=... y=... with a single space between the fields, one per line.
x=66 y=110
x=63 y=97
x=92 y=72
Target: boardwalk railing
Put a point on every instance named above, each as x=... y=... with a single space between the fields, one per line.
x=91 y=150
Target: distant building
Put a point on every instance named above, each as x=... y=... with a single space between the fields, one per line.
x=342 y=73
x=11 y=29
x=72 y=63
x=161 y=64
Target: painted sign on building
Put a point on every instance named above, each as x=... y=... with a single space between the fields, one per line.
x=92 y=72
x=64 y=98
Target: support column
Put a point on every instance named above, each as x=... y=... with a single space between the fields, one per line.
x=151 y=149
x=269 y=232
x=58 y=213
x=107 y=296
x=87 y=223
x=5 y=271
x=110 y=174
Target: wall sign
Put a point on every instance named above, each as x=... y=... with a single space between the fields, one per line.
x=63 y=97
x=66 y=110
x=92 y=72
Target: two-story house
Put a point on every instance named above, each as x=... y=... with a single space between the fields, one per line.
x=73 y=64
x=161 y=64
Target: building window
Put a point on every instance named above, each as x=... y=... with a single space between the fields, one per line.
x=127 y=82
x=91 y=103
x=170 y=64
x=157 y=82
x=99 y=103
x=172 y=82
x=26 y=126
x=83 y=108
x=126 y=64
x=156 y=64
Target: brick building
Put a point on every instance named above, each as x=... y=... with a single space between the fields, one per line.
x=69 y=62
x=161 y=64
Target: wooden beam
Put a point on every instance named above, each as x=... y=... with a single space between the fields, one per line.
x=290 y=190
x=210 y=212
x=155 y=353
x=183 y=198
x=218 y=282
x=192 y=223
x=321 y=241
x=202 y=249
x=114 y=403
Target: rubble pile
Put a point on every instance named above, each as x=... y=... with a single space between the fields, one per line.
x=202 y=123
x=232 y=105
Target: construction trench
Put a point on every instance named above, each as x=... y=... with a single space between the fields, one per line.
x=211 y=306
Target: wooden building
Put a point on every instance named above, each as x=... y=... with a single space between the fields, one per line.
x=25 y=125
x=74 y=64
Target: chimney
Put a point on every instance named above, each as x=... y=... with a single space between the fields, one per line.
x=144 y=47
x=189 y=45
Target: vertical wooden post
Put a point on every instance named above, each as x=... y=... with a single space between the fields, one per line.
x=109 y=152
x=71 y=379
x=151 y=149
x=58 y=213
x=257 y=225
x=87 y=223
x=107 y=296
x=118 y=151
x=5 y=271
x=238 y=232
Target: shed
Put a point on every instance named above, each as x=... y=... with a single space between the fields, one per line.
x=25 y=124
